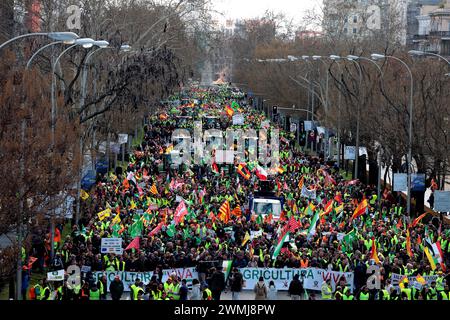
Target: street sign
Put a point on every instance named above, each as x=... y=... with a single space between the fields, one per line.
x=442 y=201
x=400 y=182
x=112 y=245
x=349 y=153
x=123 y=138
x=418 y=182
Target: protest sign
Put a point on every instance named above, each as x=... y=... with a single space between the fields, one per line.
x=55 y=275
x=112 y=245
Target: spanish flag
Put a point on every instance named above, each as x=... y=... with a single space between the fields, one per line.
x=328 y=208
x=153 y=189
x=300 y=183
x=360 y=209
x=374 y=253
x=229 y=110
x=224 y=212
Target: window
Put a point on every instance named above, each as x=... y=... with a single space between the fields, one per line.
x=345 y=30
x=354 y=30
x=355 y=19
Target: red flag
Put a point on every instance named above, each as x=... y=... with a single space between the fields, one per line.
x=328 y=208
x=408 y=244
x=417 y=220
x=57 y=237
x=338 y=198
x=126 y=184
x=156 y=229
x=180 y=212
x=293 y=224
x=133 y=244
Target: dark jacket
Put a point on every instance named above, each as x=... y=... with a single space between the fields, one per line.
x=116 y=289
x=217 y=282
x=295 y=287
x=237 y=282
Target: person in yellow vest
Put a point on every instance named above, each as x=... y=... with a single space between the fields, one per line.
x=46 y=292
x=168 y=286
x=156 y=292
x=135 y=289
x=364 y=294
x=444 y=294
x=348 y=296
x=326 y=290
x=338 y=295
x=176 y=288
x=102 y=285
x=385 y=294
x=440 y=281
x=207 y=294
x=94 y=293
x=432 y=292
x=36 y=289
x=119 y=264
x=406 y=292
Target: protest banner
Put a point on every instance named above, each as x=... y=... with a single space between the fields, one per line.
x=312 y=277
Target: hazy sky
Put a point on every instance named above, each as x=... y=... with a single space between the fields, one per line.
x=253 y=8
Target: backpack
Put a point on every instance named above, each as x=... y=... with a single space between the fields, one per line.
x=260 y=289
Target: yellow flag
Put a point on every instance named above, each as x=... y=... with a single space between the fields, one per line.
x=133 y=205
x=84 y=195
x=103 y=214
x=246 y=238
x=421 y=280
x=116 y=220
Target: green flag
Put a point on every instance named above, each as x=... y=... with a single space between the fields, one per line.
x=312 y=228
x=280 y=245
x=136 y=228
x=171 y=230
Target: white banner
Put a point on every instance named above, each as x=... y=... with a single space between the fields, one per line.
x=123 y=138
x=312 y=277
x=310 y=194
x=128 y=278
x=55 y=275
x=238 y=119
x=112 y=245
x=412 y=281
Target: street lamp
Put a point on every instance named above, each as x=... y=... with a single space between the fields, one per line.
x=336 y=59
x=353 y=57
x=376 y=56
x=423 y=53
x=358 y=111
x=66 y=37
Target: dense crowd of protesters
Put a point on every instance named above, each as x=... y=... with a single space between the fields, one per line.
x=204 y=238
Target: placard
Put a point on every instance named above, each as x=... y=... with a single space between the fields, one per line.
x=349 y=153
x=55 y=275
x=442 y=201
x=112 y=245
x=224 y=156
x=400 y=182
x=293 y=127
x=418 y=182
x=238 y=119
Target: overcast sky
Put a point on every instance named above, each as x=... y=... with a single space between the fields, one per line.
x=243 y=9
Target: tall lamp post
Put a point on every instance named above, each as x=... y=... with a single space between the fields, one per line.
x=376 y=56
x=352 y=57
x=336 y=59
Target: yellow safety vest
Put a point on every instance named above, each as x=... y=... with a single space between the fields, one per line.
x=350 y=297
x=444 y=296
x=408 y=293
x=364 y=296
x=208 y=294
x=326 y=292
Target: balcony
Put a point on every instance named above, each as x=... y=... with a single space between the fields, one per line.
x=440 y=34
x=420 y=37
